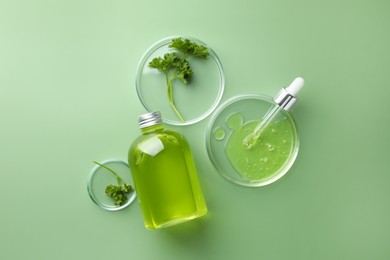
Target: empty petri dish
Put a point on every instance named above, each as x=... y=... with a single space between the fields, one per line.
x=195 y=100
x=100 y=177
x=269 y=159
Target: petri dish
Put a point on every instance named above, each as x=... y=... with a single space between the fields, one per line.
x=195 y=100
x=273 y=155
x=100 y=177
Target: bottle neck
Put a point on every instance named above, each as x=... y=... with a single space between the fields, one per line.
x=153 y=128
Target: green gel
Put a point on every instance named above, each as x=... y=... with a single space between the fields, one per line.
x=234 y=121
x=219 y=133
x=270 y=152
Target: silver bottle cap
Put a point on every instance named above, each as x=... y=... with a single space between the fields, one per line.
x=286 y=97
x=149 y=119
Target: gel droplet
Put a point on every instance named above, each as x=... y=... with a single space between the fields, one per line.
x=265 y=159
x=219 y=133
x=234 y=121
x=270 y=147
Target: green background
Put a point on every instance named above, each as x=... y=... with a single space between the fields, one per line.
x=67 y=97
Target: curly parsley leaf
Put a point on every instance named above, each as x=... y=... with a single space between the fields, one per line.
x=117 y=192
x=175 y=65
x=189 y=48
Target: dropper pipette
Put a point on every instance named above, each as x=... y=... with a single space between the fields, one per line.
x=285 y=99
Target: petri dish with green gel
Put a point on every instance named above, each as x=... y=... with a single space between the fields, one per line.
x=273 y=153
x=195 y=100
x=100 y=177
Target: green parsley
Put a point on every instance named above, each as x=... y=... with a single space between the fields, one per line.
x=175 y=64
x=117 y=192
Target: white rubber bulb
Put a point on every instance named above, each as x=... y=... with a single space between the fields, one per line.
x=295 y=86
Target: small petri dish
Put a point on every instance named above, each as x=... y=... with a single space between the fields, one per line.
x=274 y=152
x=100 y=177
x=195 y=100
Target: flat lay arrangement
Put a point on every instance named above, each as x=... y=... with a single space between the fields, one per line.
x=194 y=130
x=252 y=139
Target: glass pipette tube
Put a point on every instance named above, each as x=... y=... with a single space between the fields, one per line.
x=285 y=99
x=251 y=139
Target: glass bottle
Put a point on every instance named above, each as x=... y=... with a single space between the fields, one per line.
x=164 y=175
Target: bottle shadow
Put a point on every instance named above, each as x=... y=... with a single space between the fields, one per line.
x=191 y=233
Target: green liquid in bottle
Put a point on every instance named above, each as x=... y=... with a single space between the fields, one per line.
x=165 y=178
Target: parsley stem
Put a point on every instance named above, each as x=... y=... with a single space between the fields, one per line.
x=118 y=178
x=170 y=97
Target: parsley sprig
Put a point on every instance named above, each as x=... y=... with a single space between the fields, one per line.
x=175 y=65
x=117 y=192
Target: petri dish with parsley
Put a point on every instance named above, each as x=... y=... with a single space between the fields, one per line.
x=110 y=185
x=182 y=77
